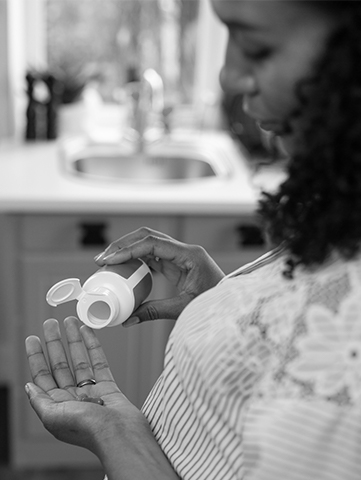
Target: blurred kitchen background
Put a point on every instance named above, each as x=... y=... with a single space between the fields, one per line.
x=119 y=78
x=93 y=51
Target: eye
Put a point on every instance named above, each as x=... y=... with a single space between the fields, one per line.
x=258 y=54
x=252 y=48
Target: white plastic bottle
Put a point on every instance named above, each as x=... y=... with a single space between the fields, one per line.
x=109 y=296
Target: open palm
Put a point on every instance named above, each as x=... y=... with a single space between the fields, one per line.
x=72 y=414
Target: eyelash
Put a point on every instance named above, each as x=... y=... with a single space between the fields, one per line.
x=254 y=53
x=258 y=55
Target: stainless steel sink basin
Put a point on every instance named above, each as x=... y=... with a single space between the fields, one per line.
x=143 y=167
x=185 y=158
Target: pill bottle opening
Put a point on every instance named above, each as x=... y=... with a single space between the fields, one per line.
x=99 y=312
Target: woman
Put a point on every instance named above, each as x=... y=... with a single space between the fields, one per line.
x=262 y=374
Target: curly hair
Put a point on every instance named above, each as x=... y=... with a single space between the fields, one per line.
x=317 y=210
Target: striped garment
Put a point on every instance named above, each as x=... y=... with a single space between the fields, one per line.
x=262 y=377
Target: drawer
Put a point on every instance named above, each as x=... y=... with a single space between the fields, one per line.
x=223 y=233
x=77 y=232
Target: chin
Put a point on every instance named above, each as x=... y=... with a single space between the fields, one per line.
x=285 y=145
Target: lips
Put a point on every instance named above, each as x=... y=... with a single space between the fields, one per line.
x=275 y=127
x=266 y=124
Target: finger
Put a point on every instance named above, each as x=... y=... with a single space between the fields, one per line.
x=159 y=309
x=57 y=357
x=38 y=398
x=97 y=356
x=162 y=248
x=78 y=352
x=128 y=240
x=39 y=369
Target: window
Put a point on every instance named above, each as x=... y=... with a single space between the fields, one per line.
x=33 y=34
x=111 y=41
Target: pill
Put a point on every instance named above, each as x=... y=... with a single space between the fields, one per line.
x=97 y=400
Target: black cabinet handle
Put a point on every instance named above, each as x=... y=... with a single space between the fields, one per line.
x=250 y=235
x=92 y=234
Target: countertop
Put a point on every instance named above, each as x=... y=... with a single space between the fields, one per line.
x=32 y=181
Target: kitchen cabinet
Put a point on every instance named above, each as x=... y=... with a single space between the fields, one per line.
x=38 y=250
x=232 y=241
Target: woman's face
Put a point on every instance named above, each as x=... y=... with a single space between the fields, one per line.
x=272 y=45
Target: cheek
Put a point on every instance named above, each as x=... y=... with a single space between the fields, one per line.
x=279 y=79
x=277 y=88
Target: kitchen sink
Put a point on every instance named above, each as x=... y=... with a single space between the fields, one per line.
x=142 y=167
x=176 y=158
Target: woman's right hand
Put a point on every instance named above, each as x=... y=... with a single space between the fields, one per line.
x=188 y=267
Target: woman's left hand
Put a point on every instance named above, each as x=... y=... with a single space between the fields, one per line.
x=95 y=416
x=76 y=415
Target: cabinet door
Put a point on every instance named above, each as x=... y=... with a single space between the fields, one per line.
x=231 y=241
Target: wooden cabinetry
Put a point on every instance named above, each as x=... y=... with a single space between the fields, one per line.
x=231 y=241
x=38 y=251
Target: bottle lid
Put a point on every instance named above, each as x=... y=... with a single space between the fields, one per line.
x=64 y=291
x=108 y=297
x=97 y=306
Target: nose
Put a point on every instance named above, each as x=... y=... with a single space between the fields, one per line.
x=235 y=83
x=236 y=76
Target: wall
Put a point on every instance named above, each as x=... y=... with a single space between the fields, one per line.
x=12 y=67
x=6 y=121
x=211 y=46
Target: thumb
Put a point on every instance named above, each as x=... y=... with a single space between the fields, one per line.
x=39 y=400
x=169 y=308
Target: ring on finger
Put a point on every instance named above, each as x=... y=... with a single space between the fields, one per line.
x=88 y=381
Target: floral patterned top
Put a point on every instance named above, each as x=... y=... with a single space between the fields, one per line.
x=262 y=377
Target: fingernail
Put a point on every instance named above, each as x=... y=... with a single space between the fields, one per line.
x=28 y=389
x=98 y=257
x=131 y=321
x=107 y=257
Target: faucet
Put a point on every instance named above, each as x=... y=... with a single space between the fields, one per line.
x=148 y=105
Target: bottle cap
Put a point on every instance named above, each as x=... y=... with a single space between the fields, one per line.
x=107 y=298
x=98 y=306
x=64 y=291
